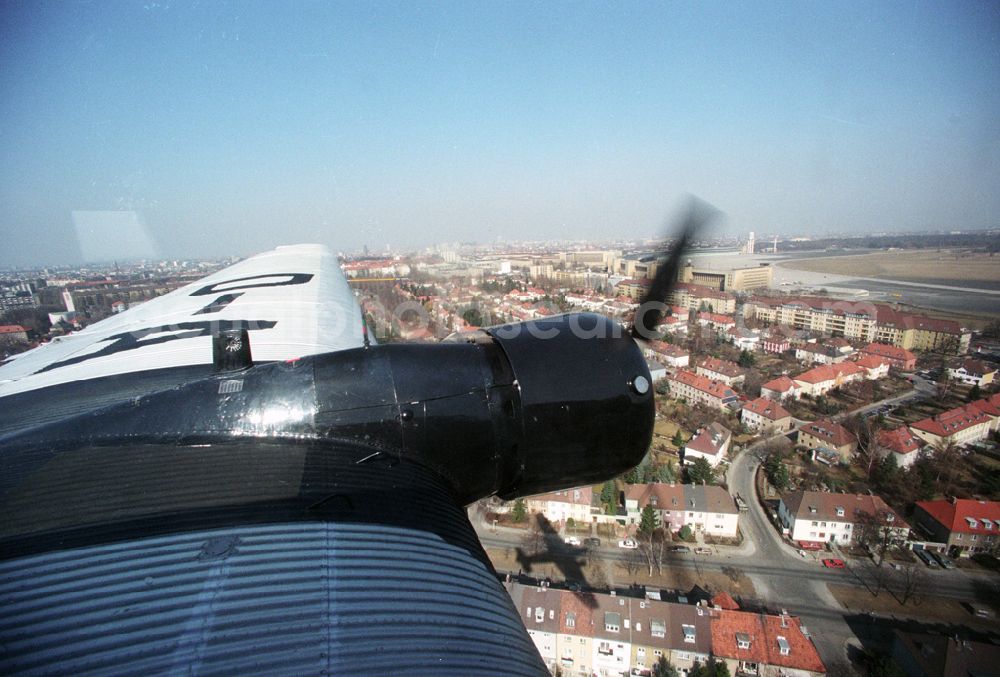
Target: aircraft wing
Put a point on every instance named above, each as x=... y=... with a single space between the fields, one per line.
x=167 y=507
x=294 y=300
x=160 y=515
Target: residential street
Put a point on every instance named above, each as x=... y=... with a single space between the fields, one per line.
x=781 y=576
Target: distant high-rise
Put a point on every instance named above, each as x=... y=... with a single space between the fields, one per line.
x=774 y=249
x=748 y=247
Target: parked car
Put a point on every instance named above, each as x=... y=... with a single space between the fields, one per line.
x=571 y=540
x=926 y=558
x=942 y=560
x=679 y=548
x=703 y=551
x=592 y=542
x=628 y=544
x=834 y=563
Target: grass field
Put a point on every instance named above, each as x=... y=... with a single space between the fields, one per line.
x=926 y=265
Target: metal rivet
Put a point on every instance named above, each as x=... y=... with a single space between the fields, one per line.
x=640 y=384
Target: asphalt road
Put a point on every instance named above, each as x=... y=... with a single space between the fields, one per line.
x=782 y=578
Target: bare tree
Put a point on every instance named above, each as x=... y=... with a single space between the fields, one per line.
x=632 y=561
x=909 y=580
x=534 y=538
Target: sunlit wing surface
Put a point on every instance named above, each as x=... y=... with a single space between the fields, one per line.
x=294 y=300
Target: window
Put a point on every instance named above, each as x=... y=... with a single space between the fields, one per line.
x=958 y=537
x=612 y=621
x=688 y=633
x=742 y=640
x=783 y=646
x=657 y=653
x=570 y=620
x=528 y=612
x=626 y=624
x=658 y=628
x=814 y=524
x=604 y=648
x=539 y=615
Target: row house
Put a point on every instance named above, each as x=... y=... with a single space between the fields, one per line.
x=765 y=416
x=901 y=443
x=701 y=390
x=705 y=508
x=821 y=517
x=610 y=634
x=825 y=434
x=960 y=426
x=725 y=371
x=966 y=526
x=763 y=644
x=781 y=389
x=710 y=443
x=900 y=358
x=559 y=506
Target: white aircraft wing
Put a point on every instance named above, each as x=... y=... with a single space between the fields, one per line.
x=294 y=300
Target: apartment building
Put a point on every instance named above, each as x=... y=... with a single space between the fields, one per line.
x=899 y=358
x=695 y=297
x=725 y=371
x=864 y=321
x=558 y=506
x=815 y=516
x=610 y=634
x=765 y=416
x=781 y=389
x=901 y=443
x=966 y=526
x=825 y=434
x=961 y=426
x=701 y=390
x=820 y=380
x=707 y=509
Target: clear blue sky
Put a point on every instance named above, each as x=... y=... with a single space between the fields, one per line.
x=231 y=128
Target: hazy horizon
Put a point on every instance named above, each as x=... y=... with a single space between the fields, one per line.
x=201 y=131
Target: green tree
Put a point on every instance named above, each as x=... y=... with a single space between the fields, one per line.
x=570 y=523
x=649 y=522
x=700 y=472
x=609 y=498
x=886 y=474
x=519 y=511
x=685 y=533
x=678 y=439
x=746 y=359
x=975 y=393
x=663 y=668
x=666 y=472
x=473 y=317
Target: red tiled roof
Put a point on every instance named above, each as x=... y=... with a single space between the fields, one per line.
x=11 y=329
x=818 y=374
x=952 y=421
x=828 y=431
x=713 y=388
x=781 y=384
x=724 y=367
x=710 y=440
x=891 y=352
x=702 y=291
x=802 y=503
x=900 y=440
x=717 y=318
x=989 y=405
x=769 y=409
x=955 y=516
x=871 y=362
x=724 y=600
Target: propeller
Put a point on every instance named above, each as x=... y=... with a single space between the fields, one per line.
x=697 y=214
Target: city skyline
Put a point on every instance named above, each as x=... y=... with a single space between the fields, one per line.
x=221 y=131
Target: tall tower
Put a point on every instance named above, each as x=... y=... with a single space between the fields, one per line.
x=774 y=249
x=748 y=248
